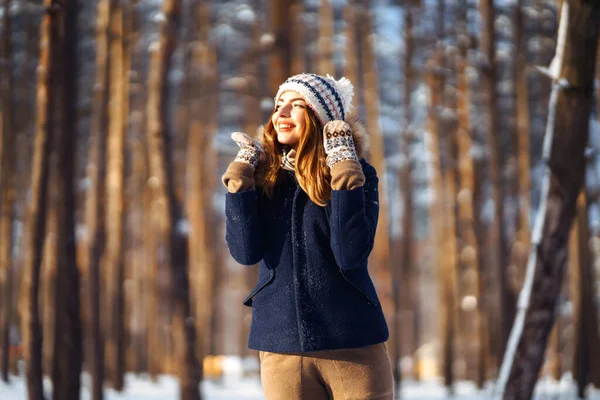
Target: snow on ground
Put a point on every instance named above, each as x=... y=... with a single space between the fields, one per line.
x=238 y=388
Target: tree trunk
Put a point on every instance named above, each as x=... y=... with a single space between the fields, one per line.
x=113 y=218
x=566 y=138
x=249 y=276
x=325 y=42
x=7 y=188
x=521 y=242
x=350 y=69
x=469 y=223
x=587 y=343
x=36 y=218
x=137 y=295
x=380 y=257
x=437 y=226
x=66 y=371
x=298 y=40
x=94 y=202
x=497 y=231
x=405 y=275
x=168 y=211
x=198 y=200
x=280 y=58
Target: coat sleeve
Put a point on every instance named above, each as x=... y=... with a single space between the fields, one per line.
x=243 y=230
x=353 y=221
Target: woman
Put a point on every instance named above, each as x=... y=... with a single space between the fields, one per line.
x=304 y=203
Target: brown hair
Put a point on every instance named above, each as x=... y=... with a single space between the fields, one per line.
x=311 y=168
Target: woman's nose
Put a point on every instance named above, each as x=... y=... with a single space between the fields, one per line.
x=285 y=111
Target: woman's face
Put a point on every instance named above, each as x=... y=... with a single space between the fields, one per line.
x=289 y=118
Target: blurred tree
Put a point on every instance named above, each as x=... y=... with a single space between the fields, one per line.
x=36 y=216
x=167 y=210
x=298 y=39
x=469 y=224
x=380 y=256
x=280 y=57
x=66 y=370
x=572 y=72
x=586 y=363
x=112 y=262
x=137 y=295
x=93 y=241
x=439 y=225
x=325 y=41
x=405 y=273
x=7 y=185
x=497 y=231
x=200 y=183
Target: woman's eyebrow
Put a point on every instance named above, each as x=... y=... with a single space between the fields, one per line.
x=297 y=98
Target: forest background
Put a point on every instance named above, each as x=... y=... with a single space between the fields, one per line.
x=116 y=117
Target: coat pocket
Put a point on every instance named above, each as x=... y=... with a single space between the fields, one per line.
x=259 y=286
x=360 y=280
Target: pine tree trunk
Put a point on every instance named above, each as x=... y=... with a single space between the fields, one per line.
x=36 y=215
x=587 y=342
x=437 y=227
x=350 y=70
x=406 y=279
x=380 y=257
x=137 y=296
x=198 y=197
x=280 y=59
x=497 y=231
x=523 y=233
x=48 y=277
x=113 y=259
x=568 y=121
x=168 y=211
x=249 y=276
x=325 y=41
x=298 y=40
x=66 y=371
x=94 y=202
x=469 y=223
x=7 y=187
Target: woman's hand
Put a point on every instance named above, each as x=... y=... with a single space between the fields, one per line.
x=339 y=144
x=251 y=151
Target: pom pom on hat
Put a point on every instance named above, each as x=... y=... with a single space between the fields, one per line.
x=330 y=99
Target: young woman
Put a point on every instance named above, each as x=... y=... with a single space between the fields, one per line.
x=304 y=204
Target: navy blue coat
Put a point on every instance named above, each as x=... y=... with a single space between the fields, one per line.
x=314 y=291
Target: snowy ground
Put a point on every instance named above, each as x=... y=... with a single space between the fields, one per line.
x=237 y=388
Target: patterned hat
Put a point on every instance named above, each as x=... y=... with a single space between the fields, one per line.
x=328 y=98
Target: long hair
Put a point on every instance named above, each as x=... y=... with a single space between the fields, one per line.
x=310 y=167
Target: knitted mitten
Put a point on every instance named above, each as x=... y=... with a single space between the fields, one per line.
x=339 y=145
x=250 y=151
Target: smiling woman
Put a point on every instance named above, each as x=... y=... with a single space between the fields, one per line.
x=303 y=203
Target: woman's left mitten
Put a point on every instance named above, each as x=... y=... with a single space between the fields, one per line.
x=251 y=152
x=339 y=144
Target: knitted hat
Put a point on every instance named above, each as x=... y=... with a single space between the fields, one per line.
x=328 y=98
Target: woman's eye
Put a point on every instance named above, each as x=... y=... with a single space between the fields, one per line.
x=300 y=105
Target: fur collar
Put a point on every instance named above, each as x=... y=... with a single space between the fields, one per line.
x=360 y=136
